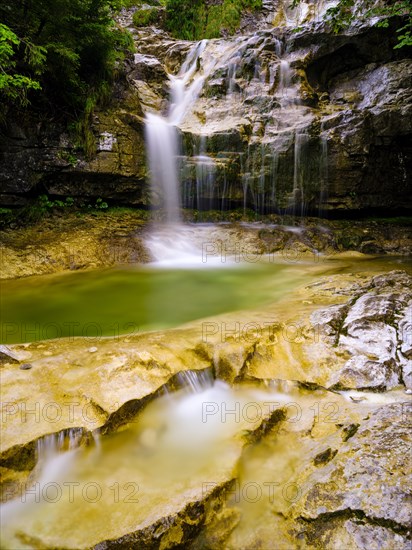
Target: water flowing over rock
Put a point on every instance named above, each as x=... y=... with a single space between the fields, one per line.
x=155 y=410
x=276 y=120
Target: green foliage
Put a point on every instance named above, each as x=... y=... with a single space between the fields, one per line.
x=45 y=204
x=341 y=16
x=100 y=204
x=44 y=208
x=14 y=86
x=194 y=20
x=67 y=50
x=7 y=217
x=184 y=18
x=224 y=16
x=68 y=157
x=146 y=17
x=140 y=3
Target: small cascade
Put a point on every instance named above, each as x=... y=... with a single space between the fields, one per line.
x=231 y=76
x=285 y=79
x=299 y=177
x=205 y=177
x=195 y=381
x=275 y=173
x=306 y=12
x=53 y=444
x=323 y=169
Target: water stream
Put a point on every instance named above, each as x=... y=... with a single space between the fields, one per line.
x=86 y=489
x=180 y=448
x=170 y=168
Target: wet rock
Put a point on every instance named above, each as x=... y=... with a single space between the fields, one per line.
x=324 y=457
x=26 y=366
x=367 y=480
x=405 y=330
x=372 y=329
x=88 y=388
x=148 y=68
x=7 y=355
x=172 y=514
x=361 y=373
x=71 y=242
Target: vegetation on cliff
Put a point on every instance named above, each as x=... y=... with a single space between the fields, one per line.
x=346 y=12
x=59 y=55
x=197 y=19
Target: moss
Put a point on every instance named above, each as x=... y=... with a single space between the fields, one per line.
x=145 y=17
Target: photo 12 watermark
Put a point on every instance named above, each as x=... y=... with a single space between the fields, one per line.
x=91 y=332
x=51 y=412
x=253 y=412
x=253 y=492
x=239 y=253
x=271 y=331
x=71 y=492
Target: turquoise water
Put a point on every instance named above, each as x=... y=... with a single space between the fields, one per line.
x=109 y=302
x=125 y=301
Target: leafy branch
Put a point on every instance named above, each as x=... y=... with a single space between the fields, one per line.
x=13 y=86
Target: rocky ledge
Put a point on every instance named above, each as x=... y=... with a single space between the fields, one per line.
x=291 y=121
x=334 y=463
x=77 y=240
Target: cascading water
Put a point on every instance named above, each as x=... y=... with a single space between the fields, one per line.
x=162 y=136
x=300 y=164
x=175 y=244
x=180 y=442
x=171 y=245
x=223 y=73
x=162 y=146
x=323 y=170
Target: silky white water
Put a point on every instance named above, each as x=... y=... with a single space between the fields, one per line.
x=181 y=441
x=162 y=137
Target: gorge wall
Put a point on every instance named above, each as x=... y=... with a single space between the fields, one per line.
x=289 y=118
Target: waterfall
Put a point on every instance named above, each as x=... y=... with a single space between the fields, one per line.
x=162 y=146
x=205 y=177
x=285 y=79
x=162 y=136
x=323 y=169
x=233 y=73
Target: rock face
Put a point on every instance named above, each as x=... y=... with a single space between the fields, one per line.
x=374 y=329
x=72 y=242
x=297 y=122
x=43 y=158
x=345 y=501
x=292 y=464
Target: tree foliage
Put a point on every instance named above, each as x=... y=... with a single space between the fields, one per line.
x=346 y=12
x=13 y=86
x=64 y=50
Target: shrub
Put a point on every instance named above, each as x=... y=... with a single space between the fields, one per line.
x=146 y=17
x=194 y=20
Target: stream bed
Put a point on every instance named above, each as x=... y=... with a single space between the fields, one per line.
x=204 y=463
